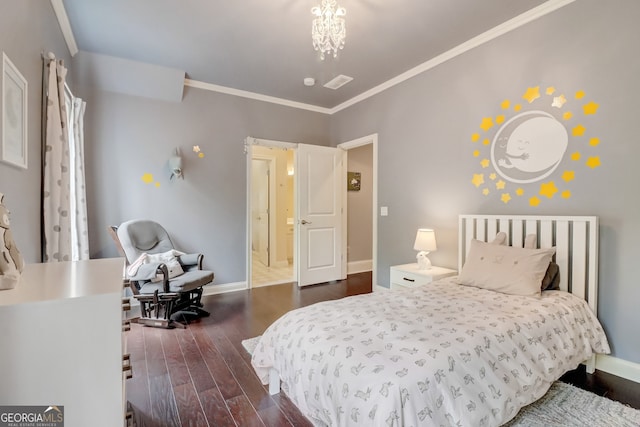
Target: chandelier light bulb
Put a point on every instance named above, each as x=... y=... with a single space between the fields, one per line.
x=328 y=30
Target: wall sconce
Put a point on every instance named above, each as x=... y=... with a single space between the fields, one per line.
x=425 y=243
x=175 y=164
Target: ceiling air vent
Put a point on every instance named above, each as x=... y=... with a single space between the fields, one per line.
x=338 y=82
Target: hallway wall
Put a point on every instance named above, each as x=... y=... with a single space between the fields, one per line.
x=359 y=205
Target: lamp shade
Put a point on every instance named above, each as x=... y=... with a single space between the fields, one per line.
x=425 y=240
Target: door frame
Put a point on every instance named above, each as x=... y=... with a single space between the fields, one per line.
x=249 y=142
x=347 y=145
x=355 y=143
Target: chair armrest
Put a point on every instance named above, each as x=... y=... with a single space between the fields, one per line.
x=150 y=271
x=191 y=260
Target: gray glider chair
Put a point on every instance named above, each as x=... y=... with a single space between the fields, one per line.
x=168 y=283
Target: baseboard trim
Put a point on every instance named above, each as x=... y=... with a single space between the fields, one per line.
x=359 y=266
x=618 y=367
x=224 y=288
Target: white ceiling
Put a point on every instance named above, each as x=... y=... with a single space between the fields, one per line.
x=264 y=46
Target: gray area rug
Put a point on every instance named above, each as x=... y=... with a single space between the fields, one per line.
x=568 y=406
x=563 y=406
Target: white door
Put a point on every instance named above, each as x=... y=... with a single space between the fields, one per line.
x=319 y=200
x=260 y=213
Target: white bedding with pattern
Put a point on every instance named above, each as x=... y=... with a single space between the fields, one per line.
x=441 y=354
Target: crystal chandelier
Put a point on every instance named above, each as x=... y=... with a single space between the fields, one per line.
x=328 y=30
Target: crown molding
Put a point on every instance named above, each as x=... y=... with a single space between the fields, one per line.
x=257 y=96
x=504 y=28
x=65 y=26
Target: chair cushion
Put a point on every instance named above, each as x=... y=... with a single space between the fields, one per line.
x=186 y=282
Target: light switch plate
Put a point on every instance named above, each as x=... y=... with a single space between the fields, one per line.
x=384 y=211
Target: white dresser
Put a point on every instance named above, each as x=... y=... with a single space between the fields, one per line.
x=61 y=333
x=409 y=276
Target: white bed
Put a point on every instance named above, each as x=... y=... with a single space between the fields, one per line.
x=442 y=354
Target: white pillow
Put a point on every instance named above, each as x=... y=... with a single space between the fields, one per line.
x=500 y=239
x=506 y=269
x=530 y=241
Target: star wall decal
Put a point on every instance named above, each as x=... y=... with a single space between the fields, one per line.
x=532 y=94
x=559 y=101
x=487 y=123
x=590 y=108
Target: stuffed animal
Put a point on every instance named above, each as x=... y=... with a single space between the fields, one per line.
x=11 y=262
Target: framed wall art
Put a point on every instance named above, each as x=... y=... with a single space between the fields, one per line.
x=353 y=181
x=14 y=115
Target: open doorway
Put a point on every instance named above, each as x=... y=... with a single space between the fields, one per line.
x=360 y=240
x=271 y=212
x=311 y=163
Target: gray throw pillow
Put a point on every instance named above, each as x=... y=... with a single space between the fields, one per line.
x=551 y=280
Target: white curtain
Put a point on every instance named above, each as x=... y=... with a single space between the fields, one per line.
x=64 y=202
x=79 y=225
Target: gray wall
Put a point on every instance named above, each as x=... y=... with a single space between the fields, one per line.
x=128 y=136
x=28 y=28
x=359 y=212
x=425 y=150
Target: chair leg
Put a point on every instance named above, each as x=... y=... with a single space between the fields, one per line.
x=196 y=296
x=201 y=312
x=156 y=305
x=157 y=323
x=157 y=309
x=196 y=304
x=176 y=324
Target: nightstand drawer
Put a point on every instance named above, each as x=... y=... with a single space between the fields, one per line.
x=408 y=279
x=410 y=276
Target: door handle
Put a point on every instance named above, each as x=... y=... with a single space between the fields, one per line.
x=305 y=222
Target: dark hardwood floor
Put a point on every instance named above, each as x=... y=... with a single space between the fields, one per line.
x=202 y=376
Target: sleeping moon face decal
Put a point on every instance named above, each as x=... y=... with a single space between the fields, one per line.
x=534 y=149
x=529 y=147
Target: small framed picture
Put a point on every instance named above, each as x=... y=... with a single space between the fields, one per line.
x=353 y=181
x=14 y=115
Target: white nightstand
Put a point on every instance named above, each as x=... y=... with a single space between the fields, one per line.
x=408 y=275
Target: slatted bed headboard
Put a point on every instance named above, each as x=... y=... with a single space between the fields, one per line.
x=575 y=239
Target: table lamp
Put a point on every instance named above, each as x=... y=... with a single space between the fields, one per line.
x=425 y=243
